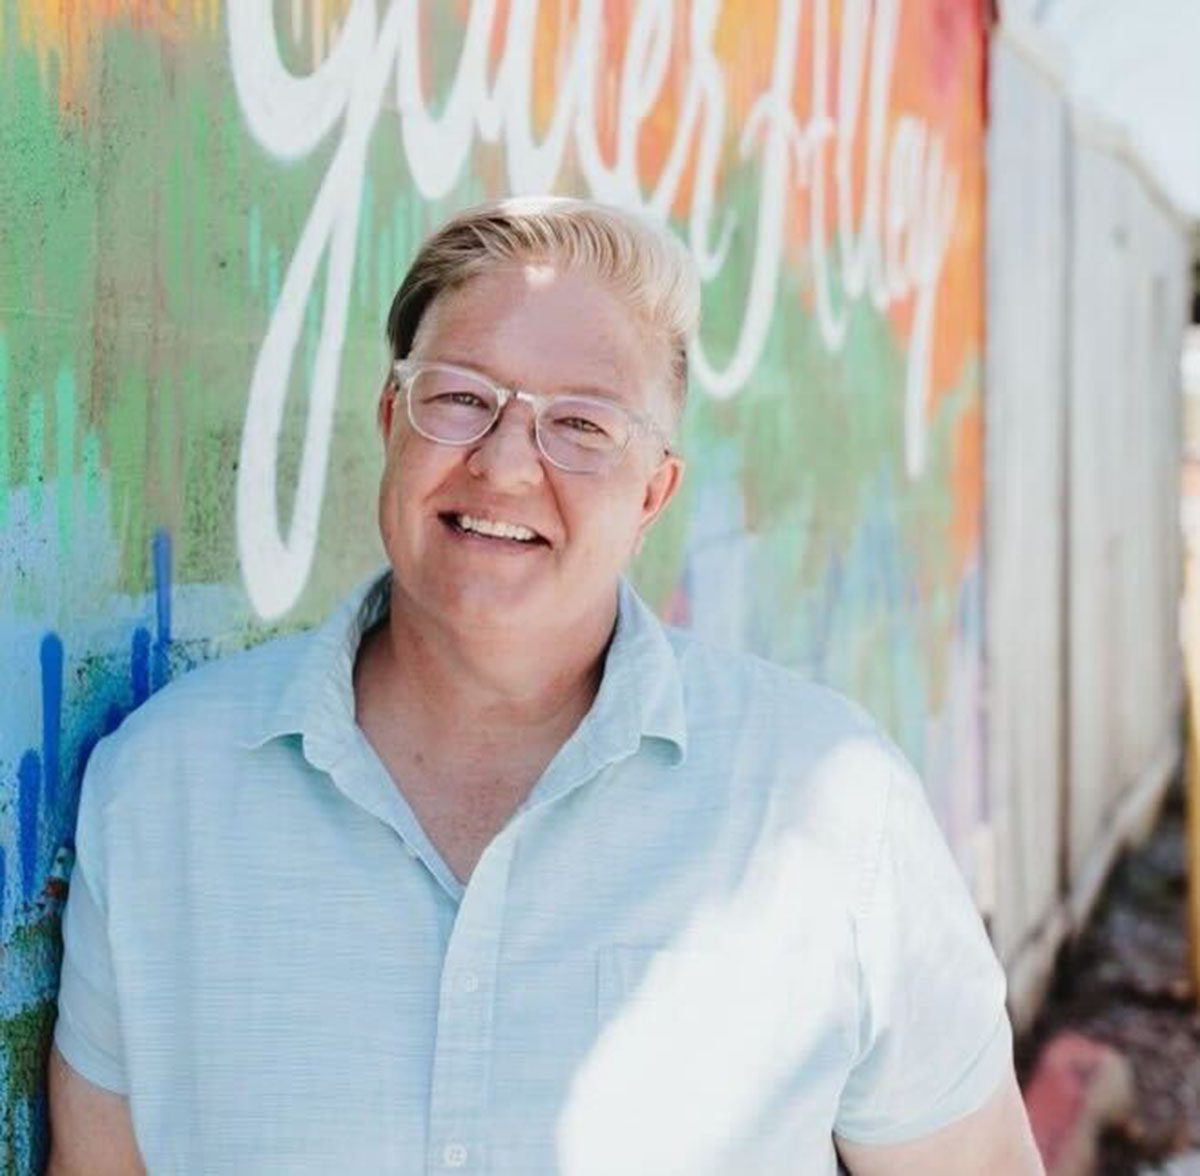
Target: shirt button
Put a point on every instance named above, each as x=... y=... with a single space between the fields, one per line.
x=469 y=982
x=408 y=849
x=454 y=1155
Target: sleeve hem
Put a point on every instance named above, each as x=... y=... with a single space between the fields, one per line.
x=981 y=1080
x=87 y=1061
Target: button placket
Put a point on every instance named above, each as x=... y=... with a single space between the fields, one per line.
x=458 y=1103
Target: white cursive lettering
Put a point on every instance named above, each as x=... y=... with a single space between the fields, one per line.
x=894 y=250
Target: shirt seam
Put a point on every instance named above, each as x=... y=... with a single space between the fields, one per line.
x=872 y=866
x=867 y=887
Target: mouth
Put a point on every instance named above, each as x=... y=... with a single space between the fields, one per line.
x=495 y=531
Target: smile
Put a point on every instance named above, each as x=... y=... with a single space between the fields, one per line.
x=492 y=529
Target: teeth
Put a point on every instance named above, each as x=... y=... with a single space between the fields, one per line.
x=496 y=530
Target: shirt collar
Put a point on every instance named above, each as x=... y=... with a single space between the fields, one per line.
x=641 y=692
x=316 y=688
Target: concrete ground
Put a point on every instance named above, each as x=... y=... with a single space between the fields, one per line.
x=1111 y=1070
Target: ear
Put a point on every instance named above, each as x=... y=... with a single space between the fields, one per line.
x=660 y=489
x=386 y=409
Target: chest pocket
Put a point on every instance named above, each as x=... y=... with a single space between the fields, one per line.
x=621 y=974
x=667 y=998
x=699 y=1069
x=682 y=1071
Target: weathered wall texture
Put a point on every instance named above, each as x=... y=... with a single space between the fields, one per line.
x=1087 y=299
x=206 y=209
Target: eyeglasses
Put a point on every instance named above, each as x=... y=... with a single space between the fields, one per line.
x=458 y=406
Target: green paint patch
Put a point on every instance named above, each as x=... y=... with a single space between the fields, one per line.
x=35 y=471
x=165 y=439
x=25 y=1047
x=363 y=258
x=312 y=328
x=128 y=422
x=177 y=215
x=402 y=234
x=4 y=469
x=657 y=569
x=64 y=420
x=254 y=238
x=274 y=268
x=386 y=273
x=91 y=472
x=32 y=955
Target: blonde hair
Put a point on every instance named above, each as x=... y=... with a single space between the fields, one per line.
x=643 y=262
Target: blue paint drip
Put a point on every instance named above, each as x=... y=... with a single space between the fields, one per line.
x=162 y=600
x=52 y=693
x=139 y=665
x=70 y=814
x=149 y=667
x=29 y=779
x=162 y=584
x=86 y=747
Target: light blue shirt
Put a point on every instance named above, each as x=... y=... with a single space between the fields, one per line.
x=722 y=926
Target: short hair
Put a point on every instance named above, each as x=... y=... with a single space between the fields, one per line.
x=642 y=261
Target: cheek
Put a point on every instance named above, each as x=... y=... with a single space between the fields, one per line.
x=414 y=469
x=605 y=525
x=403 y=488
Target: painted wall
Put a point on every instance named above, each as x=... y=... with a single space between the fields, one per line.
x=206 y=211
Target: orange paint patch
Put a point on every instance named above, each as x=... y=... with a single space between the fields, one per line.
x=966 y=488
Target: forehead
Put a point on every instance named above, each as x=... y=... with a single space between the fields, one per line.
x=547 y=328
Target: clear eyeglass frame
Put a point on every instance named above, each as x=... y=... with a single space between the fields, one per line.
x=406 y=372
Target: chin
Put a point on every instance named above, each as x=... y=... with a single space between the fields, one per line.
x=489 y=605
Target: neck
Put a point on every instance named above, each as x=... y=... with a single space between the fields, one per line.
x=492 y=691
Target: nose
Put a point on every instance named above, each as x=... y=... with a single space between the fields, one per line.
x=508 y=455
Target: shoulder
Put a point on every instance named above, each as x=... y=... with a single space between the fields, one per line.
x=200 y=718
x=798 y=718
x=815 y=758
x=224 y=698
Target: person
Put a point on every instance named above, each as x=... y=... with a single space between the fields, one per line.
x=493 y=872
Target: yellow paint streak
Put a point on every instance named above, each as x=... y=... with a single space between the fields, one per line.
x=317 y=24
x=65 y=35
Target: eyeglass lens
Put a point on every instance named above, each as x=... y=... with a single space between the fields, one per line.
x=576 y=433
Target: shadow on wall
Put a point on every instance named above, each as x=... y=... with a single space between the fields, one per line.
x=46 y=802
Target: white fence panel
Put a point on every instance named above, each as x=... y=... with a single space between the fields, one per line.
x=1087 y=301
x=1025 y=395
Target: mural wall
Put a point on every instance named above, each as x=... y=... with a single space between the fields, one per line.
x=207 y=208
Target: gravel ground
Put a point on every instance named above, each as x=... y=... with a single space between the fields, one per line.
x=1125 y=982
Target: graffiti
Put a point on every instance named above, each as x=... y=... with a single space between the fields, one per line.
x=44 y=807
x=896 y=252
x=211 y=207
x=40 y=774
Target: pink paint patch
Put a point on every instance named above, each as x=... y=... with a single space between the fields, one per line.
x=955 y=24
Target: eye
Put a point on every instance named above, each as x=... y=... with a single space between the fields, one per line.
x=466 y=398
x=581 y=425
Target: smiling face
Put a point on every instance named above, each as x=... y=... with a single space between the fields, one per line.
x=455 y=520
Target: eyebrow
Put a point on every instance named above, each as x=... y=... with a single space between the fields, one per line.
x=598 y=391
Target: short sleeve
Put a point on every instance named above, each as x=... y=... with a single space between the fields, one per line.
x=87 y=1032
x=934 y=1036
